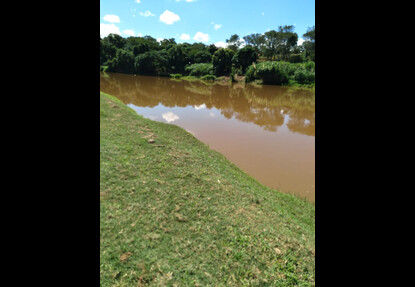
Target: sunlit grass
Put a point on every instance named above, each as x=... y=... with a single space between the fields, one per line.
x=176 y=213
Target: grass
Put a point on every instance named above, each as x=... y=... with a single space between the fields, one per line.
x=176 y=213
x=282 y=73
x=176 y=76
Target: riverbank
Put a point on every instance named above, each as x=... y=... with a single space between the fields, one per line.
x=173 y=211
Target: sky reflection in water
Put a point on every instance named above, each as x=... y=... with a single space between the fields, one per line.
x=268 y=131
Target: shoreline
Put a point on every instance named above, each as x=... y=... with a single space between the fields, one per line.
x=170 y=204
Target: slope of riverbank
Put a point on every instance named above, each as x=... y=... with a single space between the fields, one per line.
x=174 y=212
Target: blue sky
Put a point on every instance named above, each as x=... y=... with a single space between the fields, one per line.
x=206 y=21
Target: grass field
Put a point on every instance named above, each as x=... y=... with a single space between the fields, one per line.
x=175 y=213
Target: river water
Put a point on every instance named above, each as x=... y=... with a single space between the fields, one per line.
x=267 y=131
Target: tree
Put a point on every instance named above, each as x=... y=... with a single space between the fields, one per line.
x=256 y=40
x=108 y=52
x=167 y=43
x=124 y=62
x=212 y=49
x=115 y=40
x=280 y=42
x=152 y=62
x=309 y=44
x=287 y=40
x=201 y=57
x=244 y=57
x=199 y=53
x=222 y=61
x=234 y=42
x=178 y=58
x=271 y=44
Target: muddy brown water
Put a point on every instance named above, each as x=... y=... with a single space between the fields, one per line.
x=267 y=131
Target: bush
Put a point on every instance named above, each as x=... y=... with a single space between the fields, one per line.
x=222 y=61
x=250 y=74
x=200 y=69
x=310 y=66
x=281 y=73
x=176 y=76
x=208 y=77
x=295 y=58
x=273 y=73
x=300 y=76
x=311 y=77
x=304 y=77
x=243 y=58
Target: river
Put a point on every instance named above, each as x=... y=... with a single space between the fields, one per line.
x=267 y=131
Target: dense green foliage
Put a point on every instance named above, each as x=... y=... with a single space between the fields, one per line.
x=244 y=57
x=147 y=56
x=282 y=73
x=199 y=70
x=309 y=43
x=208 y=77
x=177 y=213
x=222 y=61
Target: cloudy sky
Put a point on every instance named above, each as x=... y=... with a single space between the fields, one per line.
x=206 y=21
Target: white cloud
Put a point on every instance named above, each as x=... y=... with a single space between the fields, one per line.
x=186 y=0
x=221 y=44
x=106 y=29
x=152 y=117
x=146 y=14
x=128 y=32
x=199 y=36
x=169 y=17
x=300 y=42
x=185 y=36
x=170 y=117
x=139 y=35
x=138 y=1
x=160 y=39
x=202 y=106
x=243 y=43
x=112 y=18
x=217 y=26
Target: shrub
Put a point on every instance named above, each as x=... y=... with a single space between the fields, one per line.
x=243 y=58
x=281 y=73
x=295 y=58
x=310 y=66
x=199 y=69
x=222 y=61
x=176 y=76
x=304 y=77
x=311 y=77
x=273 y=73
x=208 y=77
x=300 y=76
x=250 y=74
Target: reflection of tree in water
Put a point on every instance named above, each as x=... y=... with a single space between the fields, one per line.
x=264 y=106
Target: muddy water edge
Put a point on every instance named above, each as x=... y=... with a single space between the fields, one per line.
x=267 y=131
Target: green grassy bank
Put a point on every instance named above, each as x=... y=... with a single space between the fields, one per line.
x=176 y=213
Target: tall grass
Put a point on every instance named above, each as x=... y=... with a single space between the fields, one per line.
x=200 y=69
x=281 y=73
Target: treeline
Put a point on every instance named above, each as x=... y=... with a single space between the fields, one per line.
x=251 y=104
x=146 y=56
